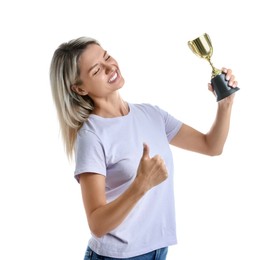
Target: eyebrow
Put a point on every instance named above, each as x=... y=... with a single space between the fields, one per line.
x=91 y=68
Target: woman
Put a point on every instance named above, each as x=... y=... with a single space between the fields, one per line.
x=122 y=151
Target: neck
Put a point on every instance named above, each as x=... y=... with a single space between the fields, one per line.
x=108 y=108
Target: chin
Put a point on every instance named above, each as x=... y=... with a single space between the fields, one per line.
x=121 y=83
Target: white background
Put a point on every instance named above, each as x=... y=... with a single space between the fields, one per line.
x=225 y=205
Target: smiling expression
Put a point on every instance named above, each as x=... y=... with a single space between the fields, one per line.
x=99 y=73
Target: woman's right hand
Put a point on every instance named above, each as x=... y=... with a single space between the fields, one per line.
x=102 y=216
x=151 y=171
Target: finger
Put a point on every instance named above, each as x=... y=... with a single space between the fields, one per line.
x=228 y=74
x=231 y=80
x=224 y=70
x=145 y=151
x=235 y=84
x=159 y=164
x=210 y=87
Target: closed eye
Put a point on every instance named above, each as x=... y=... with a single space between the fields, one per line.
x=106 y=59
x=96 y=71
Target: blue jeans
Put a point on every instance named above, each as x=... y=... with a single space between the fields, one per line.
x=159 y=254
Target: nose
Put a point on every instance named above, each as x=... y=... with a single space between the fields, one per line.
x=108 y=67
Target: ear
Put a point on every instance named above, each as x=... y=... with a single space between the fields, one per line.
x=77 y=89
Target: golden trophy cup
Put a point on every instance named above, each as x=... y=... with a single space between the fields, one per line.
x=203 y=48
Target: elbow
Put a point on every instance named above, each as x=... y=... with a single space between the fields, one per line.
x=214 y=149
x=216 y=152
x=98 y=232
x=97 y=228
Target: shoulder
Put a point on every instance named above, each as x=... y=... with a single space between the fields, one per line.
x=87 y=131
x=146 y=107
x=87 y=125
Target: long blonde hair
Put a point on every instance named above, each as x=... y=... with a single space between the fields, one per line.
x=72 y=109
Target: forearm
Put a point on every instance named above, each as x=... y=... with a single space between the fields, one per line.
x=104 y=217
x=108 y=217
x=218 y=133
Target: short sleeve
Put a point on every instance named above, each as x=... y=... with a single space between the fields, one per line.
x=89 y=154
x=172 y=125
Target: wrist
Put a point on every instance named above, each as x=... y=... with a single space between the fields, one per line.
x=225 y=103
x=139 y=186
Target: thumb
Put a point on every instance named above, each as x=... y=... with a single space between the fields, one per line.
x=210 y=87
x=145 y=151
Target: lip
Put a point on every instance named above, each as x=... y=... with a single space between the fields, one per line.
x=112 y=75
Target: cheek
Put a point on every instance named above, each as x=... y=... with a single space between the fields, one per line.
x=100 y=79
x=99 y=85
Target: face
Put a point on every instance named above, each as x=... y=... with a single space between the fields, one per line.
x=99 y=73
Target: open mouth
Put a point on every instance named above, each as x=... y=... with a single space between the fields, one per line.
x=113 y=77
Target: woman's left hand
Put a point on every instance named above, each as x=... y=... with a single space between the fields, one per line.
x=232 y=83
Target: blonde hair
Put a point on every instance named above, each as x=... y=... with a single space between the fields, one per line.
x=72 y=109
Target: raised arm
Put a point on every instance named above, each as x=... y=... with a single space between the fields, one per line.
x=211 y=143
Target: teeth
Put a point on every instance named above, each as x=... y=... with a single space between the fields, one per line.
x=113 y=78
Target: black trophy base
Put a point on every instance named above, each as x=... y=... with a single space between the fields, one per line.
x=221 y=87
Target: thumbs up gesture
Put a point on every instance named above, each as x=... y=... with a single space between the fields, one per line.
x=151 y=171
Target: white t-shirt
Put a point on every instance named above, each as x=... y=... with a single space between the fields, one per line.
x=113 y=147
